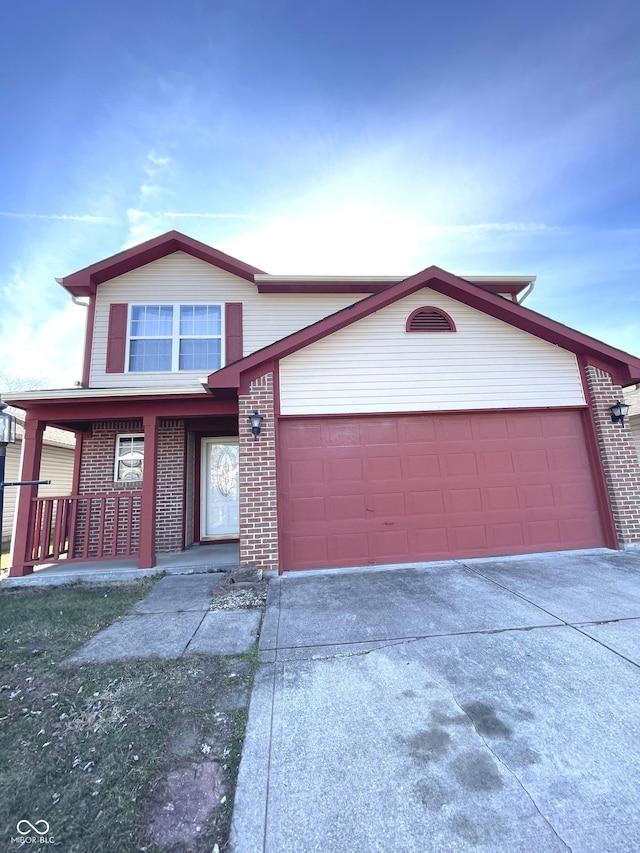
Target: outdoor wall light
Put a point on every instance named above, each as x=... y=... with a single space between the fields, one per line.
x=7 y=426
x=256 y=424
x=618 y=412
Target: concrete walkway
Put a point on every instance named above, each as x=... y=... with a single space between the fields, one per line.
x=199 y=558
x=174 y=620
x=486 y=705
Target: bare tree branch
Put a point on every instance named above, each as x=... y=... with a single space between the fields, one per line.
x=10 y=382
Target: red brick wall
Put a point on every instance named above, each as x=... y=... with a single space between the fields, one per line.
x=170 y=486
x=619 y=458
x=96 y=477
x=258 y=494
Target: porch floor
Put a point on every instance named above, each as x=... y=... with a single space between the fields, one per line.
x=196 y=559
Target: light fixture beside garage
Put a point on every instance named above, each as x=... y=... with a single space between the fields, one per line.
x=619 y=411
x=256 y=424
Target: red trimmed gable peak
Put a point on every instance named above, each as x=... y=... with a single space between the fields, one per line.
x=85 y=281
x=625 y=368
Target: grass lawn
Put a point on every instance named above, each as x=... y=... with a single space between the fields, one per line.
x=91 y=748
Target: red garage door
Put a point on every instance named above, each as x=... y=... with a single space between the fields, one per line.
x=372 y=490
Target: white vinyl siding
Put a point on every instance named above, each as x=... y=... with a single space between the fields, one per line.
x=11 y=474
x=180 y=277
x=375 y=366
x=56 y=465
x=635 y=432
x=632 y=397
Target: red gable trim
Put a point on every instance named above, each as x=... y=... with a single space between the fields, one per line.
x=88 y=342
x=74 y=411
x=320 y=286
x=501 y=286
x=290 y=284
x=84 y=282
x=624 y=367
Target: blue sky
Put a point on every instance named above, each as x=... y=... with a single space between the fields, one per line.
x=346 y=137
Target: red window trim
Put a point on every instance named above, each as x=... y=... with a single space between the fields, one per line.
x=117 y=337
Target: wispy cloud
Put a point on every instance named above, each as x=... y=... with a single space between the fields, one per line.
x=156 y=160
x=135 y=216
x=493 y=227
x=145 y=222
x=64 y=217
x=244 y=216
x=31 y=345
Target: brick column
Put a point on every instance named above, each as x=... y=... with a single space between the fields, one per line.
x=147 y=553
x=258 y=494
x=619 y=458
x=170 y=487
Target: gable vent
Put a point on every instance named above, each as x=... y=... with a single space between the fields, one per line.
x=430 y=320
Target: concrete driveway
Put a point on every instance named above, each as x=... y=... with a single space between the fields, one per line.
x=489 y=705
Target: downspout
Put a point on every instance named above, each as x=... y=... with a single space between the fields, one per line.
x=84 y=382
x=75 y=299
x=527 y=292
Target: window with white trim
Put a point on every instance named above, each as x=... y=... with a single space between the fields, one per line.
x=168 y=337
x=129 y=458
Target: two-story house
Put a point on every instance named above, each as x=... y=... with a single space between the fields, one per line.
x=395 y=420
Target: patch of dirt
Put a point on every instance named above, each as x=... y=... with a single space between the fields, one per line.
x=189 y=797
x=191 y=805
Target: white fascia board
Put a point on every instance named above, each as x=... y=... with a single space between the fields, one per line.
x=478 y=279
x=388 y=279
x=97 y=393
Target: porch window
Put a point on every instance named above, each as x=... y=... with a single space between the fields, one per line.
x=165 y=338
x=129 y=457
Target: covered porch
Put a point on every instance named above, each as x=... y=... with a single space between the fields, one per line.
x=144 y=521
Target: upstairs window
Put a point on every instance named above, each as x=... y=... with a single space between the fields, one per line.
x=429 y=319
x=166 y=338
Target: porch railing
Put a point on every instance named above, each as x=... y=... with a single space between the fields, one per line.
x=85 y=527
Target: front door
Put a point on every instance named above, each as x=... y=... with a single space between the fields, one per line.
x=219 y=489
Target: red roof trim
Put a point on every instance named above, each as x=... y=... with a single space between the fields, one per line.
x=74 y=410
x=85 y=281
x=502 y=286
x=347 y=285
x=625 y=367
x=88 y=342
x=320 y=286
